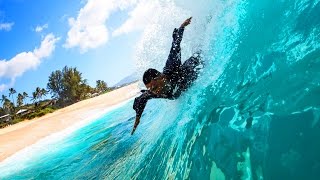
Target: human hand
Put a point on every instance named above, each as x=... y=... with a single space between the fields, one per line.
x=136 y=123
x=186 y=22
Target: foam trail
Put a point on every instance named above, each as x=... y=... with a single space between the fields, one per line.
x=48 y=144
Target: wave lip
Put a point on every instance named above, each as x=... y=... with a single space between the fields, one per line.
x=252 y=114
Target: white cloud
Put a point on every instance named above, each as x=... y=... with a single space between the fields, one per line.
x=6 y=26
x=139 y=17
x=25 y=61
x=41 y=28
x=89 y=30
x=3 y=87
x=7 y=86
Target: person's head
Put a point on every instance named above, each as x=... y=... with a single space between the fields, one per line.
x=155 y=81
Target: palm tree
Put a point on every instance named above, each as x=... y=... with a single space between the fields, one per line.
x=11 y=93
x=34 y=96
x=3 y=98
x=101 y=86
x=8 y=106
x=34 y=99
x=20 y=99
x=38 y=91
x=25 y=94
x=1 y=111
x=43 y=92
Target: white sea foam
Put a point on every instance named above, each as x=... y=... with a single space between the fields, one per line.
x=48 y=144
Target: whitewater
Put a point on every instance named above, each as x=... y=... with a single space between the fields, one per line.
x=253 y=113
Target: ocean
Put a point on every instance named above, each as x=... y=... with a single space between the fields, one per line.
x=253 y=113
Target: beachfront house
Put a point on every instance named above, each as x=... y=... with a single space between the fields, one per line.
x=22 y=112
x=5 y=118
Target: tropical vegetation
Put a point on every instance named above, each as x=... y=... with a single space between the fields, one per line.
x=66 y=86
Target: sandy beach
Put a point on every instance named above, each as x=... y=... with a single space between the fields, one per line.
x=18 y=136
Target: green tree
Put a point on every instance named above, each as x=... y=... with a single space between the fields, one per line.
x=3 y=98
x=84 y=91
x=34 y=96
x=2 y=111
x=71 y=81
x=8 y=106
x=25 y=95
x=68 y=85
x=55 y=84
x=101 y=86
x=11 y=93
x=42 y=92
x=20 y=100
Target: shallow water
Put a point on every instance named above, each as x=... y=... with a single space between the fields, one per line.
x=252 y=114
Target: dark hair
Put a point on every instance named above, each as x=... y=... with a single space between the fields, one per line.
x=149 y=75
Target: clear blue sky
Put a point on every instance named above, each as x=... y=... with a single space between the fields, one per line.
x=85 y=39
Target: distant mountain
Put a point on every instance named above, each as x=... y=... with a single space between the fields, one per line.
x=127 y=80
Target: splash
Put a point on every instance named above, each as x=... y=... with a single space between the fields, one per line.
x=252 y=114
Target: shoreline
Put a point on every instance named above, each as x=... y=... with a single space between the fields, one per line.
x=26 y=133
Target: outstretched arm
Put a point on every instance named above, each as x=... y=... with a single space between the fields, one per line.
x=139 y=105
x=136 y=123
x=174 y=60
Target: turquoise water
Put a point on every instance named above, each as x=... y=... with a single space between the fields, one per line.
x=252 y=114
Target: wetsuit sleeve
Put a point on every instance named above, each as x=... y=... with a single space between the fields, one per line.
x=177 y=36
x=174 y=60
x=140 y=103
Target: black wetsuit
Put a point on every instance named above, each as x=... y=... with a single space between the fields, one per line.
x=180 y=76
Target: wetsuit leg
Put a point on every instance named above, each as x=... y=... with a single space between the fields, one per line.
x=190 y=70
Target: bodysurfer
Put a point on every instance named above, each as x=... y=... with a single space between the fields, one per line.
x=174 y=79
